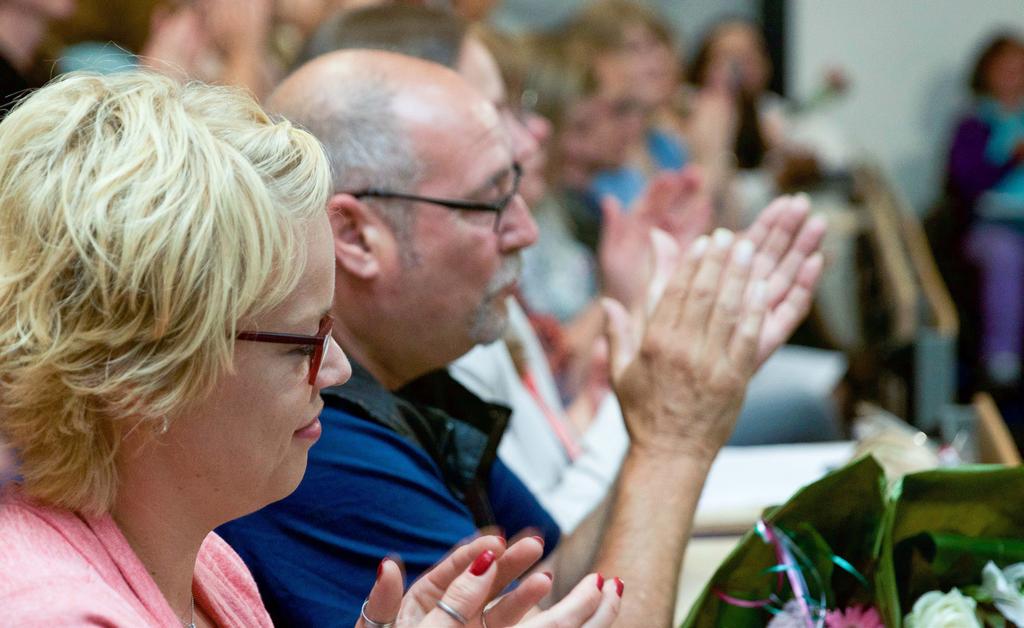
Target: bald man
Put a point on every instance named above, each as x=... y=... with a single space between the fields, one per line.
x=539 y=434
x=427 y=225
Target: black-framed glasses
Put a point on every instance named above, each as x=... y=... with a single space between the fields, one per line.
x=497 y=207
x=319 y=342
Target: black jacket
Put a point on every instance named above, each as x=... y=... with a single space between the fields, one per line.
x=456 y=428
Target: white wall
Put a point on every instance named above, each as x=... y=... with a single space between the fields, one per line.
x=907 y=61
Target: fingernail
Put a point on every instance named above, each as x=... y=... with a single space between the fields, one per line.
x=539 y=539
x=744 y=252
x=700 y=245
x=482 y=563
x=619 y=586
x=600 y=581
x=380 y=568
x=723 y=237
x=550 y=576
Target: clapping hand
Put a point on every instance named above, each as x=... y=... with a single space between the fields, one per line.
x=681 y=371
x=676 y=202
x=459 y=590
x=789 y=260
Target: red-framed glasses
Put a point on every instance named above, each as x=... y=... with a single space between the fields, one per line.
x=319 y=343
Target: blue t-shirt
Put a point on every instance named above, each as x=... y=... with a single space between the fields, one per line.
x=1004 y=203
x=627 y=183
x=368 y=493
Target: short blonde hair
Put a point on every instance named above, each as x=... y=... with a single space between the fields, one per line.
x=140 y=220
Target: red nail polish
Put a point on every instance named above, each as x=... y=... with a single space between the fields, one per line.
x=600 y=581
x=539 y=539
x=482 y=563
x=549 y=575
x=619 y=586
x=380 y=568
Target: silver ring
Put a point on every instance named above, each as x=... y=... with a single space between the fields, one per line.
x=451 y=612
x=369 y=622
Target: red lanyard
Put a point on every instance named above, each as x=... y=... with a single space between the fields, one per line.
x=565 y=437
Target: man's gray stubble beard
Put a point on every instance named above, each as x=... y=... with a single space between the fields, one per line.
x=489 y=321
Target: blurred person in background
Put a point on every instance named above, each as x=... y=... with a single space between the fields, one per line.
x=577 y=256
x=566 y=438
x=124 y=24
x=560 y=276
x=754 y=143
x=985 y=177
x=637 y=69
x=223 y=41
x=237 y=42
x=732 y=61
x=248 y=43
x=23 y=25
x=591 y=133
x=216 y=41
x=419 y=31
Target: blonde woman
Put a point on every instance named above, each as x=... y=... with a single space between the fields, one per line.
x=165 y=272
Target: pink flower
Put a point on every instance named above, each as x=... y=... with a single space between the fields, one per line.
x=854 y=617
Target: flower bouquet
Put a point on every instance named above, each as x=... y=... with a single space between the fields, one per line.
x=941 y=548
x=809 y=563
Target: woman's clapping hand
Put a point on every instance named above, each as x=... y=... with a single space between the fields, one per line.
x=469 y=583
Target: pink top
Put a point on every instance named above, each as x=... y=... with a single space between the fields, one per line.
x=58 y=568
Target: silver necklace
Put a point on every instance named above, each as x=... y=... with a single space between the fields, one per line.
x=192 y=619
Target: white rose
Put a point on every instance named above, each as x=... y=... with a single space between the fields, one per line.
x=943 y=610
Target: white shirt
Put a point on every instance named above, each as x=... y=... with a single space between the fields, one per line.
x=568 y=489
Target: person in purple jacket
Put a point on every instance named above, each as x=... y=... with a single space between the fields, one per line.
x=986 y=181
